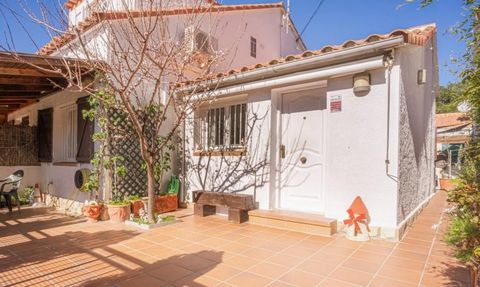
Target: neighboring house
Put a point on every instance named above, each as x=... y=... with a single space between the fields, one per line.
x=310 y=132
x=454 y=130
x=246 y=33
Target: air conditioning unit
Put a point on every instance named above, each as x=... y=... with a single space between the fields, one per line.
x=197 y=41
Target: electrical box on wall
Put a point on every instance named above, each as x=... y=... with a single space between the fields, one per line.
x=422 y=76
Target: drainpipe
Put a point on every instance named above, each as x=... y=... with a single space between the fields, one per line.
x=388 y=62
x=184 y=154
x=309 y=75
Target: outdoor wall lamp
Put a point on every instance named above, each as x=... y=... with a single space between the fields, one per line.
x=361 y=84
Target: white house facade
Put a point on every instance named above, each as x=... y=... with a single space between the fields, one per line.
x=245 y=34
x=308 y=133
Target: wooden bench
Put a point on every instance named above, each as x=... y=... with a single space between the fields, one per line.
x=238 y=205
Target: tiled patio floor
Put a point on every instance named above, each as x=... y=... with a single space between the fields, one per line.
x=43 y=248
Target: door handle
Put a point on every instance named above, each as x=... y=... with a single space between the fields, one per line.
x=282 y=151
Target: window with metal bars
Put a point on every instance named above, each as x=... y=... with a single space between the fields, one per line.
x=253 y=47
x=221 y=127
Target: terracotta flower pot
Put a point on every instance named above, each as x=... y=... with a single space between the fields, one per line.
x=136 y=205
x=446 y=184
x=166 y=203
x=119 y=213
x=92 y=212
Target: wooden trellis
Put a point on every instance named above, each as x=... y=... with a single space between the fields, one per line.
x=18 y=145
x=125 y=143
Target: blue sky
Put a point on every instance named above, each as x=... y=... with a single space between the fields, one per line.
x=336 y=21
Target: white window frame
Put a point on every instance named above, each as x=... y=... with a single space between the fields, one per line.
x=66 y=139
x=201 y=127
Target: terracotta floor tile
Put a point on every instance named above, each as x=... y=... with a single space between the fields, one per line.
x=352 y=276
x=276 y=246
x=329 y=282
x=368 y=256
x=331 y=259
x=169 y=272
x=361 y=265
x=301 y=278
x=421 y=249
x=196 y=280
x=380 y=281
x=193 y=263
x=63 y=251
x=221 y=272
x=409 y=255
x=377 y=249
x=235 y=247
x=248 y=279
x=404 y=275
x=143 y=280
x=285 y=260
x=258 y=253
x=280 y=284
x=316 y=267
x=338 y=250
x=269 y=270
x=239 y=261
x=399 y=262
x=298 y=251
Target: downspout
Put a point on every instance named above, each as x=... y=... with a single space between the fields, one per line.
x=184 y=154
x=389 y=65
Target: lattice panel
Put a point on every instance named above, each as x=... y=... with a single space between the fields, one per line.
x=18 y=146
x=125 y=143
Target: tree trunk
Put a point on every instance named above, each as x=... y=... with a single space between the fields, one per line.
x=150 y=192
x=474 y=277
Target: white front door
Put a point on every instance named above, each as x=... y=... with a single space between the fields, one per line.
x=301 y=150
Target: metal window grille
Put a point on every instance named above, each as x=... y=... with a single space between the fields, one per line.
x=253 y=47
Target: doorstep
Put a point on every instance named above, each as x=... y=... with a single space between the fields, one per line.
x=309 y=223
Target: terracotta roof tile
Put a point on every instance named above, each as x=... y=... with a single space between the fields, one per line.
x=452 y=119
x=95 y=18
x=415 y=36
x=70 y=4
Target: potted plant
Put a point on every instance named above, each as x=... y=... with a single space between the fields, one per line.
x=168 y=201
x=118 y=210
x=447 y=184
x=136 y=204
x=92 y=210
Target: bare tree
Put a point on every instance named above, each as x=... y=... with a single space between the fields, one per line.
x=138 y=52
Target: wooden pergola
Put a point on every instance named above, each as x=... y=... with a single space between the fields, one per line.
x=25 y=78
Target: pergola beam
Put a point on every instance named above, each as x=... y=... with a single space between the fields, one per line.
x=27 y=81
x=27 y=72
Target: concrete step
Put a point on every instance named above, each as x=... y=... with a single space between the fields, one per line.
x=314 y=224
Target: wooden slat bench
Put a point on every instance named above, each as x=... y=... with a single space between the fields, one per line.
x=238 y=205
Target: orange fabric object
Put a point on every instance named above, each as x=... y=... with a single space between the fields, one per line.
x=357 y=212
x=358 y=207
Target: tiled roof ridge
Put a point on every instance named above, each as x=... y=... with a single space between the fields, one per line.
x=91 y=21
x=417 y=35
x=452 y=119
x=70 y=4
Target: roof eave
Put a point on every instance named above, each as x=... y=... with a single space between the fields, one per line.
x=334 y=57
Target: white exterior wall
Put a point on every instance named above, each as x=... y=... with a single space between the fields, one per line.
x=240 y=174
x=356 y=146
x=417 y=128
x=30 y=178
x=355 y=150
x=59 y=176
x=233 y=30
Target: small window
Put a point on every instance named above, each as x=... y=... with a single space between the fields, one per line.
x=253 y=47
x=221 y=128
x=67 y=138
